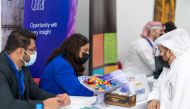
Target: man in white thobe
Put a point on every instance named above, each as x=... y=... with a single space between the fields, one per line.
x=140 y=57
x=172 y=89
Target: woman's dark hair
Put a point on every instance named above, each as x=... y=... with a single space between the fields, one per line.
x=70 y=49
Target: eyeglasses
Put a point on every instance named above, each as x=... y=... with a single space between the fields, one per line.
x=32 y=50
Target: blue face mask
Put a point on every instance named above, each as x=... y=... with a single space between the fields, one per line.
x=32 y=59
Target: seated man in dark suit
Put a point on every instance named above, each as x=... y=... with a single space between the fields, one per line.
x=17 y=88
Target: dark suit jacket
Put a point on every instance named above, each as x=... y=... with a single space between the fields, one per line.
x=9 y=92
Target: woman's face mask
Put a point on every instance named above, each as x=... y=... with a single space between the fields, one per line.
x=84 y=58
x=83 y=54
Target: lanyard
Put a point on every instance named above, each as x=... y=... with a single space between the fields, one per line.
x=149 y=42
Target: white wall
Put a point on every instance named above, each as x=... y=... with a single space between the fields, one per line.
x=82 y=22
x=183 y=14
x=131 y=17
x=82 y=19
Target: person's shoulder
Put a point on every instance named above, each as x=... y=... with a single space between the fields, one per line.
x=138 y=41
x=4 y=67
x=2 y=57
x=3 y=63
x=141 y=43
x=59 y=61
x=141 y=40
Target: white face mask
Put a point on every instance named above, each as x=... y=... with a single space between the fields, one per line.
x=32 y=59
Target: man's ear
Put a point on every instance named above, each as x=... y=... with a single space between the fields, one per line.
x=19 y=51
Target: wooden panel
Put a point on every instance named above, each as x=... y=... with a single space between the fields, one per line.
x=164 y=10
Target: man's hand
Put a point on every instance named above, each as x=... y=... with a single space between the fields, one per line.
x=64 y=99
x=52 y=103
x=153 y=104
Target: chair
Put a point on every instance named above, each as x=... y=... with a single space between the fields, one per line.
x=36 y=80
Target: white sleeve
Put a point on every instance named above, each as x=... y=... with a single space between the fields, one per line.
x=155 y=94
x=181 y=90
x=145 y=53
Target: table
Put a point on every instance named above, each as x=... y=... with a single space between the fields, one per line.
x=78 y=102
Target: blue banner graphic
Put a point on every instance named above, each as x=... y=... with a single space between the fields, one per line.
x=48 y=19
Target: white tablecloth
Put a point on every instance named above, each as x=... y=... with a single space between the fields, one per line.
x=81 y=102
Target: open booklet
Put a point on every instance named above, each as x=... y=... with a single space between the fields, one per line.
x=117 y=75
x=120 y=77
x=133 y=84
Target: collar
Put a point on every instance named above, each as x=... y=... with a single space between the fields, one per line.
x=150 y=40
x=11 y=62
